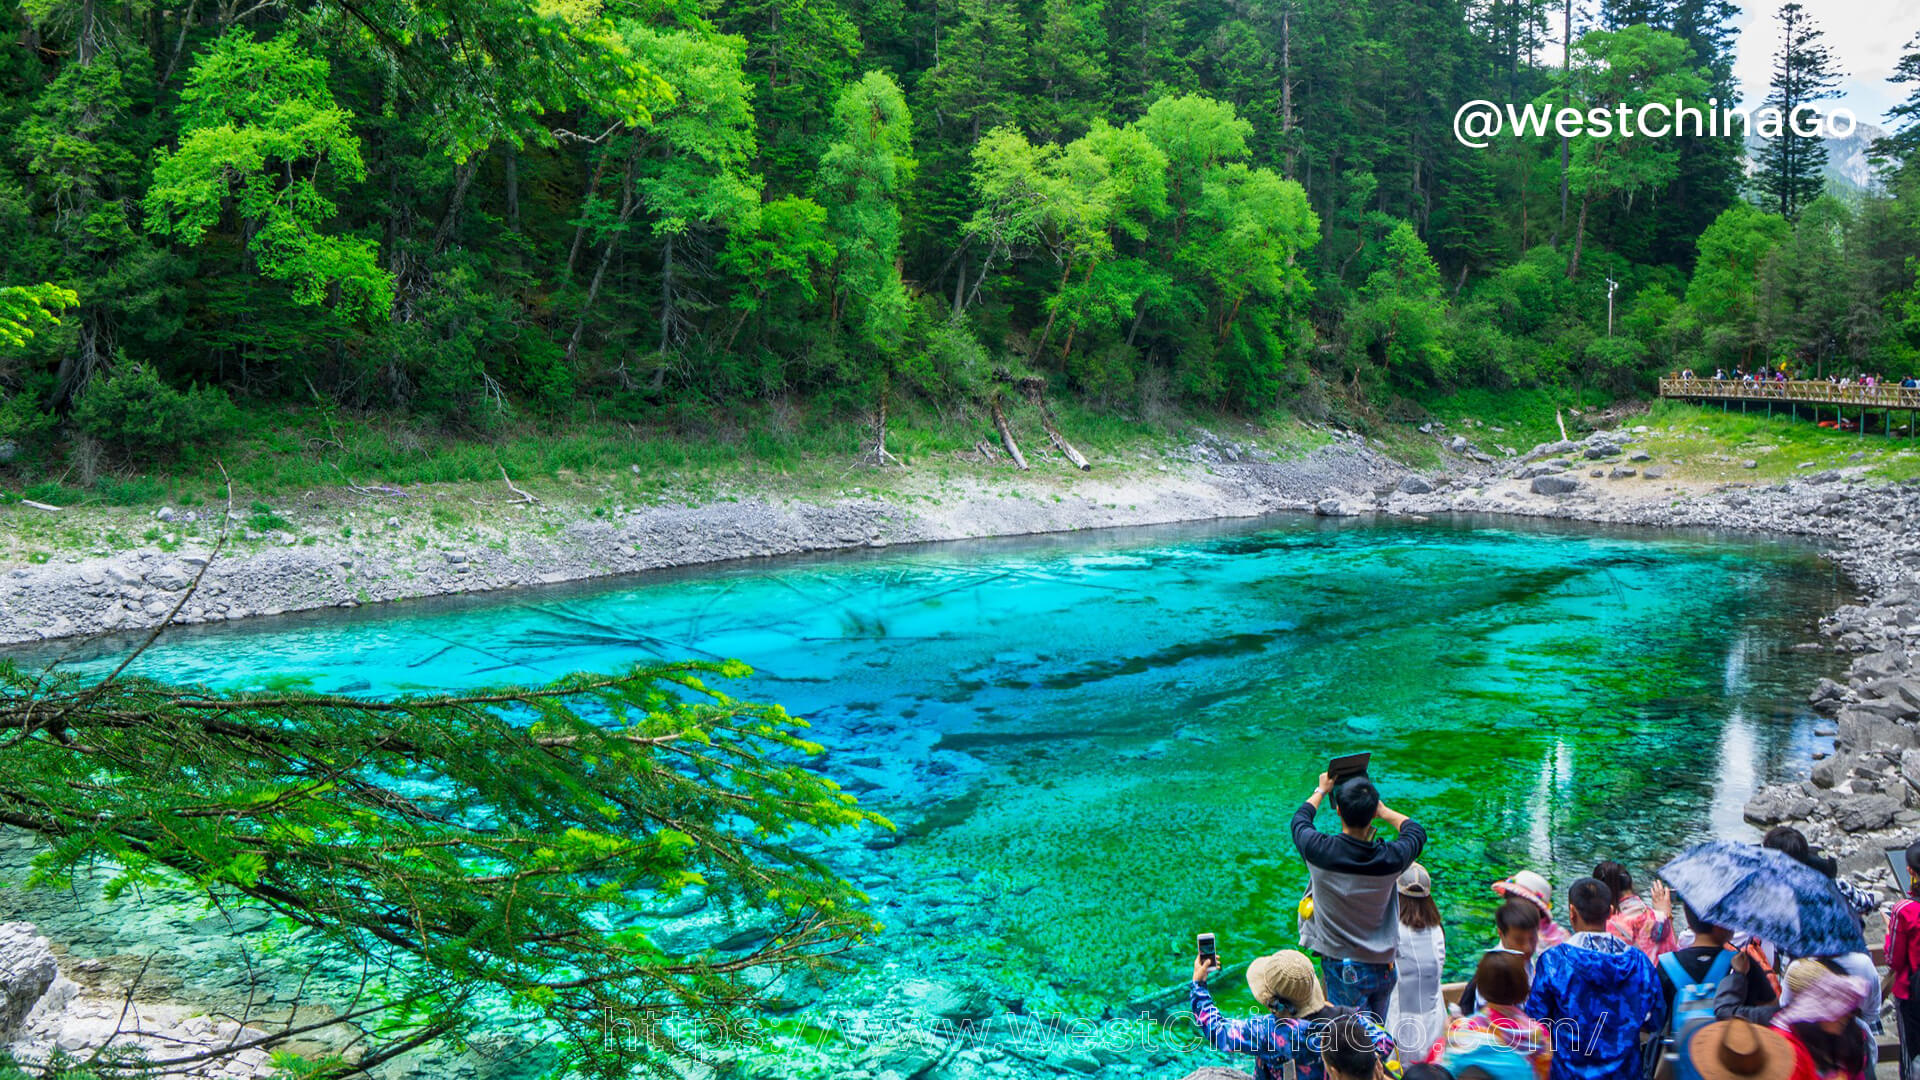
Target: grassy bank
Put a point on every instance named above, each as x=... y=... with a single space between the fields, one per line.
x=1707 y=443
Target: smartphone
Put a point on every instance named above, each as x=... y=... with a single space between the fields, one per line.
x=1897 y=858
x=1206 y=944
x=1348 y=765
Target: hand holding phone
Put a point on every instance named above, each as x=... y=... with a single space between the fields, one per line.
x=1347 y=766
x=1207 y=961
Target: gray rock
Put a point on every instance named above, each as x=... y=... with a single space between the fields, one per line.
x=1865 y=813
x=1601 y=450
x=1656 y=472
x=1414 y=485
x=1621 y=472
x=1639 y=456
x=1749 y=464
x=1214 y=1072
x=1457 y=444
x=944 y=1000
x=27 y=972
x=1554 y=485
x=1773 y=805
x=9 y=450
x=165 y=513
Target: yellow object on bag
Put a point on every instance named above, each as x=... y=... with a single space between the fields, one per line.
x=1306 y=907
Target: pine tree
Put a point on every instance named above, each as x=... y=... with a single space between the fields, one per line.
x=1793 y=166
x=1899 y=147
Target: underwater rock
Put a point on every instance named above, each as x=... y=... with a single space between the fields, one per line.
x=712 y=929
x=943 y=1000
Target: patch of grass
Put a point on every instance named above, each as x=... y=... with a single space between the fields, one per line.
x=1525 y=417
x=1715 y=443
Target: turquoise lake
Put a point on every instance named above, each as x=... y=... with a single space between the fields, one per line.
x=1093 y=742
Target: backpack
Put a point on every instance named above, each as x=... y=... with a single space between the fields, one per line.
x=1692 y=1005
x=1693 y=1001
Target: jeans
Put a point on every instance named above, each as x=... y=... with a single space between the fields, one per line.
x=1359 y=985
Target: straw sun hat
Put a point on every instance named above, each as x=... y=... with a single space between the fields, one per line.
x=1287 y=975
x=1737 y=1050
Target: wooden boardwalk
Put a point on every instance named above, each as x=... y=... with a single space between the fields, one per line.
x=1850 y=402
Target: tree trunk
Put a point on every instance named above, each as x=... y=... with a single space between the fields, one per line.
x=1037 y=396
x=580 y=230
x=1006 y=433
x=513 y=188
x=627 y=206
x=1047 y=332
x=1579 y=237
x=880 y=454
x=462 y=178
x=1566 y=67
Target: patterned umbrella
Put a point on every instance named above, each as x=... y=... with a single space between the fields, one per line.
x=1767 y=894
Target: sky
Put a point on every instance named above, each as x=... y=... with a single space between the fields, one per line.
x=1865 y=37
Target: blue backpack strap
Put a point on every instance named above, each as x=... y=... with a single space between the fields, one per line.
x=1677 y=975
x=1722 y=964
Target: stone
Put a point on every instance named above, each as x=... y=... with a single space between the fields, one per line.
x=1639 y=456
x=1865 y=813
x=1331 y=508
x=943 y=1000
x=1828 y=696
x=1215 y=1072
x=1773 y=805
x=165 y=513
x=711 y=929
x=1457 y=444
x=1621 y=472
x=1655 y=473
x=1554 y=485
x=27 y=972
x=1749 y=464
x=1414 y=485
x=1601 y=450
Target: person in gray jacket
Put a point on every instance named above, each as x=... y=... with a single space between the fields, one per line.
x=1353 y=875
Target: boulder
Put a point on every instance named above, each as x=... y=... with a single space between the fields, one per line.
x=1656 y=472
x=1638 y=456
x=943 y=1000
x=1773 y=805
x=1601 y=450
x=1621 y=472
x=1554 y=485
x=1414 y=485
x=1865 y=813
x=1828 y=696
x=27 y=972
x=1457 y=444
x=1910 y=768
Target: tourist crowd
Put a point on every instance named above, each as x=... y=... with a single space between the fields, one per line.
x=1623 y=990
x=1867 y=380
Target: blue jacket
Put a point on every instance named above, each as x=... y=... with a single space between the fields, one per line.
x=1595 y=994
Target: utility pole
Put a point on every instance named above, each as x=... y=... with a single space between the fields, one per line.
x=1611 y=285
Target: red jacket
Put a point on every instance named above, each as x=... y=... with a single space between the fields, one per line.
x=1903 y=944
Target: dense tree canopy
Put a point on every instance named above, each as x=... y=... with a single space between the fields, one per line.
x=462 y=211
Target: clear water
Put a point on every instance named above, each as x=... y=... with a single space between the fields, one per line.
x=1141 y=711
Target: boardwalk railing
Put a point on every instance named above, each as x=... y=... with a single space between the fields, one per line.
x=1795 y=391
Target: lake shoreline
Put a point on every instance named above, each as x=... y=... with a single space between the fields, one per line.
x=1861 y=525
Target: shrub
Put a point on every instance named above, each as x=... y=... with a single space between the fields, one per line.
x=135 y=410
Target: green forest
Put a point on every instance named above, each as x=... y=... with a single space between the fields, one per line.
x=490 y=214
